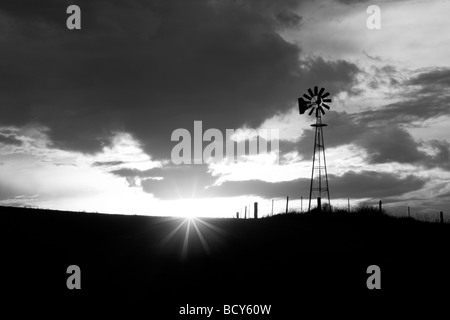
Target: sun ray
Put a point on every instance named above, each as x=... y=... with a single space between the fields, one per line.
x=173 y=232
x=201 y=237
x=204 y=236
x=213 y=227
x=186 y=241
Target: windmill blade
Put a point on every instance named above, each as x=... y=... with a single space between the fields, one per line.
x=321 y=110
x=316 y=90
x=326 y=100
x=307 y=97
x=311 y=93
x=326 y=106
x=325 y=95
x=321 y=91
x=312 y=110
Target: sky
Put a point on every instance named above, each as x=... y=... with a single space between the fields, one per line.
x=87 y=116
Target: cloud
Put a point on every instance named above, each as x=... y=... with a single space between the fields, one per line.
x=390 y=144
x=289 y=19
x=179 y=182
x=260 y=188
x=395 y=144
x=442 y=156
x=170 y=182
x=7 y=192
x=150 y=67
x=141 y=69
x=355 y=185
x=10 y=140
x=375 y=58
x=336 y=76
x=445 y=195
x=435 y=77
x=423 y=97
x=351 y=2
x=373 y=184
x=381 y=143
x=106 y=163
x=197 y=182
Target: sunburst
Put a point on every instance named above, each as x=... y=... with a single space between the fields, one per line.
x=194 y=226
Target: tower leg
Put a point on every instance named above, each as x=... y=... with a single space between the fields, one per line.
x=312 y=171
x=319 y=187
x=326 y=173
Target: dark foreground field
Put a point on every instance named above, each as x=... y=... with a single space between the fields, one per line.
x=298 y=264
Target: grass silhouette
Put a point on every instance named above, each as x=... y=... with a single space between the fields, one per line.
x=135 y=258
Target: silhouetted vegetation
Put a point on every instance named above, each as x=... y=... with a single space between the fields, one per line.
x=315 y=254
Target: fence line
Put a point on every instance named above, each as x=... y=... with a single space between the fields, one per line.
x=283 y=205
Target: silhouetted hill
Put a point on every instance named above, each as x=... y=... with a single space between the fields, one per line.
x=290 y=261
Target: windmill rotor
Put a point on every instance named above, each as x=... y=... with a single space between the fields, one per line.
x=314 y=101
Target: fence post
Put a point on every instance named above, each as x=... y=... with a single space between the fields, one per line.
x=272 y=207
x=442 y=216
x=301 y=204
x=245 y=216
x=256 y=210
x=287 y=204
x=380 y=206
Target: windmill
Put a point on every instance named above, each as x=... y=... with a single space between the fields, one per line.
x=314 y=102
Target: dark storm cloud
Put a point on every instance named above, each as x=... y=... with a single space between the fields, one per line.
x=260 y=188
x=365 y=184
x=390 y=144
x=425 y=96
x=336 y=75
x=373 y=184
x=436 y=77
x=343 y=131
x=442 y=157
x=409 y=110
x=150 y=67
x=196 y=182
x=394 y=144
x=289 y=19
